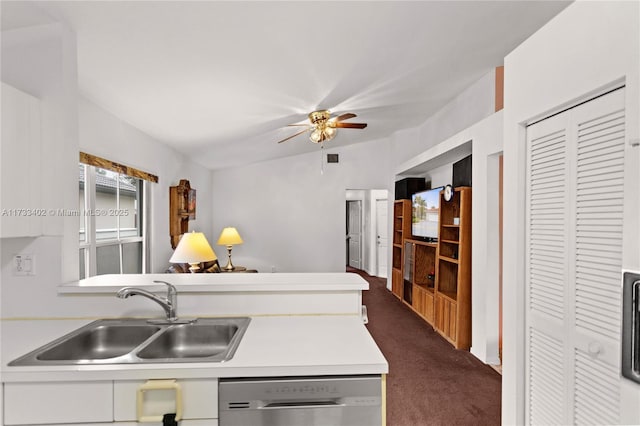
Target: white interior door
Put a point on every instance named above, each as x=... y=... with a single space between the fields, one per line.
x=381 y=237
x=354 y=233
x=575 y=204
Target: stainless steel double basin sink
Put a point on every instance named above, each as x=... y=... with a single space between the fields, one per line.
x=133 y=341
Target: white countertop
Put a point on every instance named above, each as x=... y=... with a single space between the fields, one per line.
x=222 y=282
x=271 y=346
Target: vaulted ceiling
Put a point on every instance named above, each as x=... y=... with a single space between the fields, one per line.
x=220 y=80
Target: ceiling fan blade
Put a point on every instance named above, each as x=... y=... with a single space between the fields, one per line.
x=293 y=136
x=350 y=125
x=345 y=116
x=301 y=124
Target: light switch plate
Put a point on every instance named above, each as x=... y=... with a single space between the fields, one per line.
x=23 y=265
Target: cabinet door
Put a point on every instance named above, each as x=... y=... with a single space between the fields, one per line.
x=428 y=306
x=20 y=156
x=396 y=282
x=418 y=299
x=58 y=402
x=453 y=322
x=446 y=318
x=440 y=314
x=199 y=399
x=576 y=226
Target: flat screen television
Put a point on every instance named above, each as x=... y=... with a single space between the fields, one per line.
x=425 y=212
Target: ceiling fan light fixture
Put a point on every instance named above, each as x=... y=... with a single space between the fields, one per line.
x=316 y=136
x=324 y=128
x=322 y=135
x=321 y=116
x=329 y=132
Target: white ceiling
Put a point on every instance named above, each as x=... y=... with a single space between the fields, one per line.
x=220 y=80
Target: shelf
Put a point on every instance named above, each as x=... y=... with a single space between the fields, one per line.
x=450 y=226
x=450 y=241
x=422 y=243
x=451 y=295
x=449 y=259
x=426 y=288
x=401 y=230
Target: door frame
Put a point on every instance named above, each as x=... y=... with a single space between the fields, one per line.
x=368 y=247
x=374 y=215
x=363 y=242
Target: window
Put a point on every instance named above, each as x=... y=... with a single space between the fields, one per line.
x=112 y=219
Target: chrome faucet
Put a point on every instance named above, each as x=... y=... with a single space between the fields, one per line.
x=169 y=304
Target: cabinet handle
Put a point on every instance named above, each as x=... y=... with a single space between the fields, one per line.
x=158 y=385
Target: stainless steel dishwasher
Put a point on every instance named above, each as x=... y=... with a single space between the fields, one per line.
x=308 y=401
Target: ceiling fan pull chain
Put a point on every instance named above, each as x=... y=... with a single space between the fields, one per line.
x=321 y=158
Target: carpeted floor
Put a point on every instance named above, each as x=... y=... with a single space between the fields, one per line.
x=429 y=382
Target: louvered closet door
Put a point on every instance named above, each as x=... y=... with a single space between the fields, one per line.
x=575 y=173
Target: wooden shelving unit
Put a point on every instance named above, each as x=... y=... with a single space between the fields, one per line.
x=434 y=279
x=401 y=231
x=453 y=270
x=422 y=277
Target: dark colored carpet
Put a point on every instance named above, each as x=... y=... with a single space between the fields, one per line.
x=429 y=381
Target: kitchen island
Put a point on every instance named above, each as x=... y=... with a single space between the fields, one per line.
x=307 y=342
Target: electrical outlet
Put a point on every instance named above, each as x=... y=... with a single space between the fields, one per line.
x=24 y=264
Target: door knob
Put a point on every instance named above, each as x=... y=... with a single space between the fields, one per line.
x=594 y=348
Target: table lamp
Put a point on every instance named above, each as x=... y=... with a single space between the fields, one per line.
x=229 y=237
x=193 y=248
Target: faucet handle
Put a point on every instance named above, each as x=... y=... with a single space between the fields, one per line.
x=171 y=288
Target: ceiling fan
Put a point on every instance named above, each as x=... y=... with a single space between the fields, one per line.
x=323 y=126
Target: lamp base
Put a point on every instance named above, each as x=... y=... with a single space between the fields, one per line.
x=194 y=267
x=229 y=266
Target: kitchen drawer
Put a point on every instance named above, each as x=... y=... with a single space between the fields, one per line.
x=58 y=402
x=199 y=399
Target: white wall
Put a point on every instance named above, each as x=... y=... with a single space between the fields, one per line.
x=290 y=216
x=42 y=61
x=440 y=176
x=587 y=47
x=436 y=138
x=472 y=105
x=107 y=136
x=485 y=238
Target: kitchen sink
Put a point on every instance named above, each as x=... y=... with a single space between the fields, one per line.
x=190 y=341
x=100 y=342
x=131 y=341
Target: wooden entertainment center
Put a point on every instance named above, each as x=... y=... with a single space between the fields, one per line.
x=434 y=279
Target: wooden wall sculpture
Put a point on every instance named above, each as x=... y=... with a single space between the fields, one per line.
x=182 y=208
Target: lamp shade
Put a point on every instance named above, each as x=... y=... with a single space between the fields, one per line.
x=193 y=248
x=229 y=237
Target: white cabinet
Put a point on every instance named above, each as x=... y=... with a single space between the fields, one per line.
x=58 y=403
x=199 y=400
x=20 y=157
x=105 y=402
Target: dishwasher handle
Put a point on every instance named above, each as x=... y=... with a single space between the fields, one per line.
x=300 y=404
